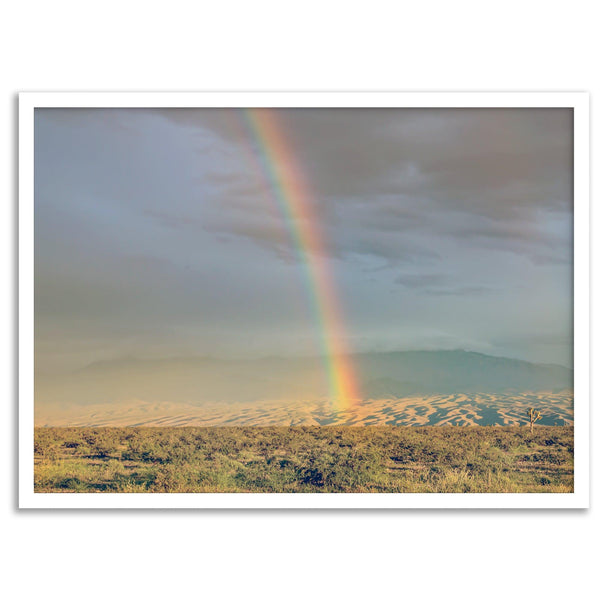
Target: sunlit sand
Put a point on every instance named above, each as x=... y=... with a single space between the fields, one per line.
x=453 y=409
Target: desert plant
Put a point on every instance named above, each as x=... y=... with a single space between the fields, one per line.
x=534 y=415
x=386 y=459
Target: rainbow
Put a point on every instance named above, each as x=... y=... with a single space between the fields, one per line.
x=294 y=198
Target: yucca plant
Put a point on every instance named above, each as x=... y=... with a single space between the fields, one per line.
x=534 y=415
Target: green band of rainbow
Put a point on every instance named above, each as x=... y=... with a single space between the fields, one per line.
x=294 y=199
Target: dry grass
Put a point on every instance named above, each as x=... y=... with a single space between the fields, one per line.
x=305 y=459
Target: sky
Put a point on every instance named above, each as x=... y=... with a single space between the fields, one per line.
x=163 y=233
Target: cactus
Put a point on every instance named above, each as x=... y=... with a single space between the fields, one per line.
x=534 y=415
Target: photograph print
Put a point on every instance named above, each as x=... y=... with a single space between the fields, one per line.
x=302 y=301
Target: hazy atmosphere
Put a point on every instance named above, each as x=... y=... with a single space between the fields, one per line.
x=158 y=233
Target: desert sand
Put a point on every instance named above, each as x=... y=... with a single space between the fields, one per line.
x=454 y=409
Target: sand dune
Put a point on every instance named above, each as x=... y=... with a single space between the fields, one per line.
x=452 y=409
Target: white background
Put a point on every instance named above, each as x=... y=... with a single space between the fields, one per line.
x=427 y=46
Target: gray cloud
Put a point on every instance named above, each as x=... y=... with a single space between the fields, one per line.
x=419 y=280
x=464 y=290
x=390 y=170
x=439 y=284
x=158 y=231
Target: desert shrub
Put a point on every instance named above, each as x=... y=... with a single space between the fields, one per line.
x=304 y=459
x=166 y=480
x=104 y=448
x=314 y=476
x=72 y=483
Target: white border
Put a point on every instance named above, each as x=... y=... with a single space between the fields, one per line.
x=579 y=101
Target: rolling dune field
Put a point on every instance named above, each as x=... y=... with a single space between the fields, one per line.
x=441 y=409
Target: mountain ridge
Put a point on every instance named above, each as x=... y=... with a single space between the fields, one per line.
x=132 y=360
x=391 y=374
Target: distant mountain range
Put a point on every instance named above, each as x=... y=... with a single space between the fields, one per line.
x=456 y=371
x=381 y=375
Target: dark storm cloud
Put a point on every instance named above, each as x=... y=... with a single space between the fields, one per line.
x=422 y=170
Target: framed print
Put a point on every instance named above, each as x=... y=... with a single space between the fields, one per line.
x=304 y=300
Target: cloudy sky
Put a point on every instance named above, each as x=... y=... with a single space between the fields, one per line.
x=158 y=234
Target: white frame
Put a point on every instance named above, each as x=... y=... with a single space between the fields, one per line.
x=579 y=101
